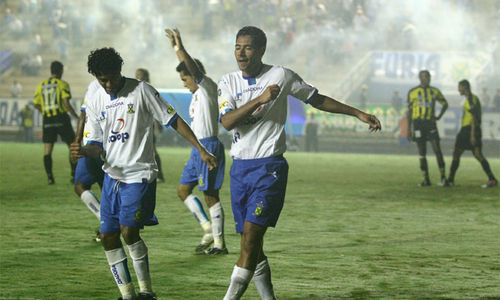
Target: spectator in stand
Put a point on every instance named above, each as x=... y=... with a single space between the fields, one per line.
x=485 y=98
x=26 y=115
x=311 y=127
x=496 y=101
x=16 y=89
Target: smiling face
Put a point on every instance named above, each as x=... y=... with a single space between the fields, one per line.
x=248 y=57
x=110 y=82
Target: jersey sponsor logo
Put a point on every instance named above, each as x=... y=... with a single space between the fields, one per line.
x=116 y=134
x=252 y=89
x=114 y=105
x=236 y=137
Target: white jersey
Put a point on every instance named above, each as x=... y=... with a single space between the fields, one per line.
x=124 y=128
x=263 y=133
x=203 y=109
x=93 y=87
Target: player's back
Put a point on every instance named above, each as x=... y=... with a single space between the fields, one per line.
x=49 y=95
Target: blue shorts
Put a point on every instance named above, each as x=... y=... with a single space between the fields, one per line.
x=258 y=189
x=196 y=171
x=127 y=204
x=89 y=171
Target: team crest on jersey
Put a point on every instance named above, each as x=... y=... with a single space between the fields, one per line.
x=170 y=110
x=130 y=108
x=238 y=96
x=137 y=216
x=259 y=209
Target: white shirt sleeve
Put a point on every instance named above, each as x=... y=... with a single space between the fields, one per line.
x=225 y=98
x=92 y=132
x=159 y=107
x=299 y=88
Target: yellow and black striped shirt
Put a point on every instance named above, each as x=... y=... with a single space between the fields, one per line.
x=472 y=107
x=422 y=102
x=49 y=94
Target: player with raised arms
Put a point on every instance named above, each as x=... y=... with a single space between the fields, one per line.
x=120 y=129
x=253 y=104
x=203 y=111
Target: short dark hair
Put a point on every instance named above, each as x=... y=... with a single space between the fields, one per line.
x=56 y=67
x=259 y=39
x=182 y=67
x=465 y=83
x=104 y=61
x=424 y=72
x=145 y=74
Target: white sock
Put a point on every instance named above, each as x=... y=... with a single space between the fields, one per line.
x=139 y=254
x=117 y=260
x=239 y=283
x=196 y=208
x=92 y=203
x=217 y=216
x=262 y=280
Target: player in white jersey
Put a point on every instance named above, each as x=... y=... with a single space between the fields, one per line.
x=203 y=111
x=120 y=129
x=253 y=104
x=88 y=170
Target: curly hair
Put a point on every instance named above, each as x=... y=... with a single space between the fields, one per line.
x=104 y=61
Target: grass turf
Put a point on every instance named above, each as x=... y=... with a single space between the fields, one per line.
x=353 y=227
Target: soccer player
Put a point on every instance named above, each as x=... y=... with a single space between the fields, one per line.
x=422 y=123
x=52 y=100
x=253 y=104
x=143 y=75
x=203 y=112
x=120 y=129
x=88 y=170
x=469 y=136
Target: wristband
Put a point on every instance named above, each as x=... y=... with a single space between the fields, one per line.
x=176 y=48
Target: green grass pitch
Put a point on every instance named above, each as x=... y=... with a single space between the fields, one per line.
x=353 y=227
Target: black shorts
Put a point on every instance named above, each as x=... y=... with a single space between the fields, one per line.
x=463 y=138
x=424 y=130
x=57 y=125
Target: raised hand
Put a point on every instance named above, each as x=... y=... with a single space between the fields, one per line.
x=171 y=37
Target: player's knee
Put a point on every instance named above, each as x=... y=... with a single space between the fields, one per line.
x=130 y=234
x=183 y=192
x=111 y=240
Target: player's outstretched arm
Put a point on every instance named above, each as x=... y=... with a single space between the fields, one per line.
x=176 y=42
x=328 y=104
x=185 y=131
x=232 y=118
